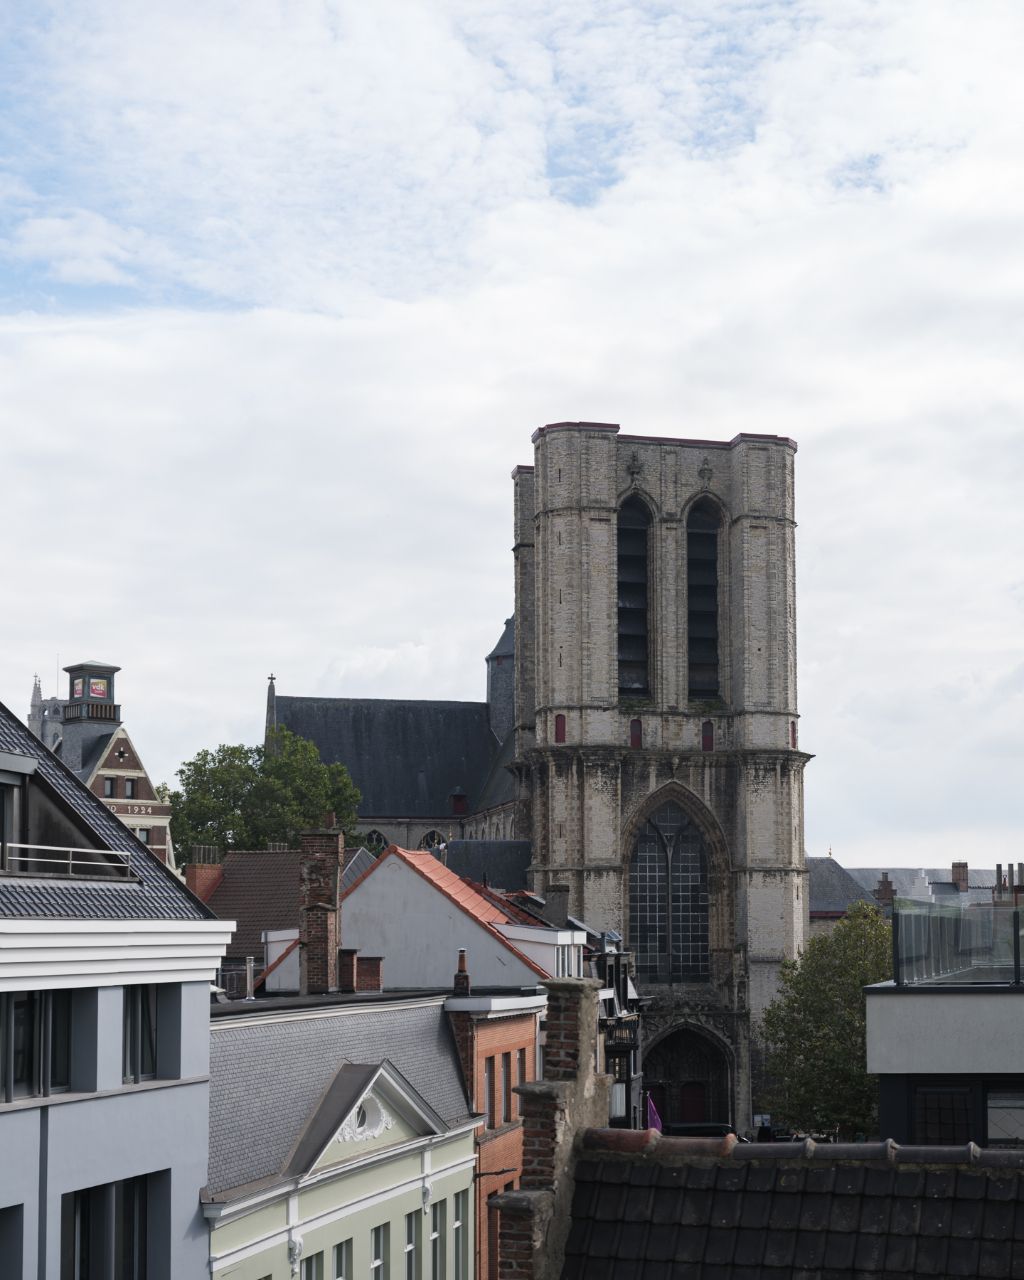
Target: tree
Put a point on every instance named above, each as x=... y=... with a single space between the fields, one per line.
x=814 y=1031
x=239 y=797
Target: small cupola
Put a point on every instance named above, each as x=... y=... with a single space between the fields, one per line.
x=91 y=692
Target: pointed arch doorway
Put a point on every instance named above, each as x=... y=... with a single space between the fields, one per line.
x=688 y=1077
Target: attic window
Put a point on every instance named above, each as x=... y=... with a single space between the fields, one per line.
x=634 y=522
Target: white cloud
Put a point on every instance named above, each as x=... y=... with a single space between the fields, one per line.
x=455 y=221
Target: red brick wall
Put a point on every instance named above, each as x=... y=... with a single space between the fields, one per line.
x=368 y=973
x=203 y=877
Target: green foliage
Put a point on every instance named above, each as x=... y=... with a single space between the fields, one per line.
x=239 y=797
x=814 y=1031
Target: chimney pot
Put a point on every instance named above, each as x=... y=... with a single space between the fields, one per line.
x=462 y=985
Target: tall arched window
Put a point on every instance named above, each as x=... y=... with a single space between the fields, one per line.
x=634 y=520
x=702 y=527
x=668 y=899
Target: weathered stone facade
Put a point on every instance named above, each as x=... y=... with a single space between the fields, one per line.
x=595 y=763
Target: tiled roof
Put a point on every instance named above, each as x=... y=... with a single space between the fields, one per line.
x=267 y=1078
x=259 y=890
x=154 y=894
x=406 y=757
x=718 y=1210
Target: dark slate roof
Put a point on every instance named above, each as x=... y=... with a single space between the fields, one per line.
x=344 y=1091
x=685 y=1207
x=94 y=749
x=832 y=888
x=501 y=864
x=406 y=758
x=267 y=1079
x=499 y=787
x=155 y=894
x=357 y=863
x=506 y=646
x=260 y=890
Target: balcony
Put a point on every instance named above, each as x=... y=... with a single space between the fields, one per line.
x=621 y=1035
x=969 y=946
x=64 y=862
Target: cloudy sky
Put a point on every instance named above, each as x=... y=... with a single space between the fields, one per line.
x=286 y=287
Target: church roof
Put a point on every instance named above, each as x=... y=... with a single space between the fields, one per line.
x=499 y=863
x=832 y=889
x=406 y=757
x=506 y=646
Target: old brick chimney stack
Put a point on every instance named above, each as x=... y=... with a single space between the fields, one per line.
x=461 y=986
x=885 y=891
x=323 y=855
x=960 y=876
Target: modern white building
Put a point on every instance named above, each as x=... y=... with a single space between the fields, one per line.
x=106 y=962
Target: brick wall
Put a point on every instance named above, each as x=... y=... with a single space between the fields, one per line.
x=203 y=878
x=323 y=854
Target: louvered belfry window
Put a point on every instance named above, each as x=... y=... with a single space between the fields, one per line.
x=702 y=528
x=668 y=899
x=634 y=523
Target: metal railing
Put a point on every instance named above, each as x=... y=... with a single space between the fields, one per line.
x=976 y=945
x=62 y=860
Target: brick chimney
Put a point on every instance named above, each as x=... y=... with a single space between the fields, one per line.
x=203 y=878
x=323 y=855
x=461 y=985
x=885 y=891
x=960 y=876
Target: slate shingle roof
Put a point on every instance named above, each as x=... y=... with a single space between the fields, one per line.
x=259 y=890
x=832 y=889
x=267 y=1078
x=406 y=758
x=155 y=894
x=709 y=1209
x=501 y=864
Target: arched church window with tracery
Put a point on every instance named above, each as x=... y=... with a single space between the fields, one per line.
x=668 y=899
x=375 y=841
x=431 y=840
x=633 y=526
x=702 y=526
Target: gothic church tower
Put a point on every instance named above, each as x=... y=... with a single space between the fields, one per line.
x=656 y=728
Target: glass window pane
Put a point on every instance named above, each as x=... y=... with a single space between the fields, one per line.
x=60 y=1039
x=1005 y=1118
x=25 y=1027
x=343 y=1261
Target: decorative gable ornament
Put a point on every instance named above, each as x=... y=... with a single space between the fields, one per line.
x=369 y=1119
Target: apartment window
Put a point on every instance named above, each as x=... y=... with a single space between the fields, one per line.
x=1005 y=1117
x=109 y=788
x=131 y=788
x=343 y=1261
x=633 y=524
x=702 y=528
x=460 y=1235
x=437 y=1240
x=506 y=1087
x=143 y=834
x=35 y=1043
x=942 y=1116
x=380 y=1267
x=489 y=1091
x=139 y=1033
x=412 y=1245
x=313 y=1267
x=104 y=1231
x=520 y=1077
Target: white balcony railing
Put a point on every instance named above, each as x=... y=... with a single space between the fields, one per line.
x=60 y=860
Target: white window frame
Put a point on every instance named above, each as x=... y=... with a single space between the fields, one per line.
x=313 y=1267
x=343 y=1261
x=438 y=1241
x=460 y=1235
x=380 y=1267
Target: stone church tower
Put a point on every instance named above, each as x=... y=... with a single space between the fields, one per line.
x=656 y=728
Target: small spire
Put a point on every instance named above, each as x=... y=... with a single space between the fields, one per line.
x=271 y=724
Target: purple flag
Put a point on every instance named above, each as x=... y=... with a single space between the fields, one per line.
x=653 y=1119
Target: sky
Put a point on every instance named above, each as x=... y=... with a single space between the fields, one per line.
x=286 y=288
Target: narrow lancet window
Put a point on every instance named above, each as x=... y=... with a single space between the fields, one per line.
x=634 y=521
x=702 y=599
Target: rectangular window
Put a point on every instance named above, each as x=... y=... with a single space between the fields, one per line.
x=313 y=1267
x=109 y=788
x=942 y=1116
x=139 y=1033
x=412 y=1245
x=437 y=1240
x=520 y=1078
x=35 y=1040
x=489 y=1091
x=131 y=788
x=143 y=834
x=379 y=1247
x=1005 y=1117
x=460 y=1235
x=104 y=1231
x=506 y=1087
x=343 y=1261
